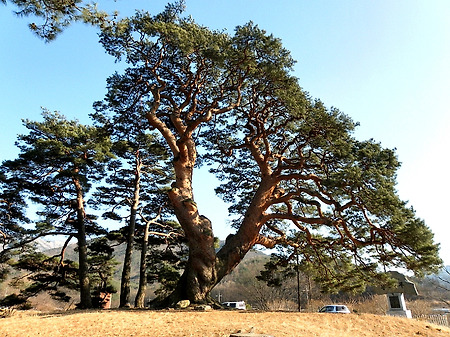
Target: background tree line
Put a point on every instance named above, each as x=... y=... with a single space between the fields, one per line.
x=245 y=283
x=291 y=288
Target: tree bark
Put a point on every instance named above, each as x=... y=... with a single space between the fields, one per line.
x=139 y=301
x=83 y=271
x=236 y=246
x=205 y=268
x=200 y=274
x=126 y=272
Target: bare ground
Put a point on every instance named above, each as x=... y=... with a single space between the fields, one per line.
x=140 y=323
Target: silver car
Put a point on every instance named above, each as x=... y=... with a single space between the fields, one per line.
x=335 y=309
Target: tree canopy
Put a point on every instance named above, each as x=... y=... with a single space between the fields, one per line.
x=290 y=167
x=55 y=15
x=57 y=165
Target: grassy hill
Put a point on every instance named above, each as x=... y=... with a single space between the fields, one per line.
x=140 y=323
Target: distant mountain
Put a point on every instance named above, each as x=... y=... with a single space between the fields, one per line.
x=43 y=245
x=445 y=273
x=53 y=248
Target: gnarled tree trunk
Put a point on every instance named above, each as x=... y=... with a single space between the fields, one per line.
x=205 y=268
x=200 y=274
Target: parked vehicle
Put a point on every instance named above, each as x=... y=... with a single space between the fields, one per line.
x=442 y=311
x=335 y=309
x=235 y=305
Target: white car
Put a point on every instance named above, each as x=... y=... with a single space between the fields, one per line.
x=335 y=309
x=235 y=305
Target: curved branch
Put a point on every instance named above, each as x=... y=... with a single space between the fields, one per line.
x=292 y=217
x=159 y=125
x=268 y=242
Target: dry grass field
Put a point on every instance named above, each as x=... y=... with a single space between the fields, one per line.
x=140 y=323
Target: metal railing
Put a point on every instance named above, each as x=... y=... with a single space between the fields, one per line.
x=435 y=319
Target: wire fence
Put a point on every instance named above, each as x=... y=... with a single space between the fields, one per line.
x=435 y=319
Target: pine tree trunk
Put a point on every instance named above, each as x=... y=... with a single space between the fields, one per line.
x=205 y=268
x=139 y=301
x=126 y=272
x=85 y=287
x=200 y=274
x=83 y=271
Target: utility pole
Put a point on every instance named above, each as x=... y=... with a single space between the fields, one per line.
x=298 y=282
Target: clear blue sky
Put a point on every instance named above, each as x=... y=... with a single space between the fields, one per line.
x=385 y=63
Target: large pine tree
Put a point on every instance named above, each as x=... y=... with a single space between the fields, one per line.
x=291 y=168
x=57 y=164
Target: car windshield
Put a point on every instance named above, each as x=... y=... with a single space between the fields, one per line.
x=327 y=309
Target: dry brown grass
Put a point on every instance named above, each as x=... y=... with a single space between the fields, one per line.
x=140 y=323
